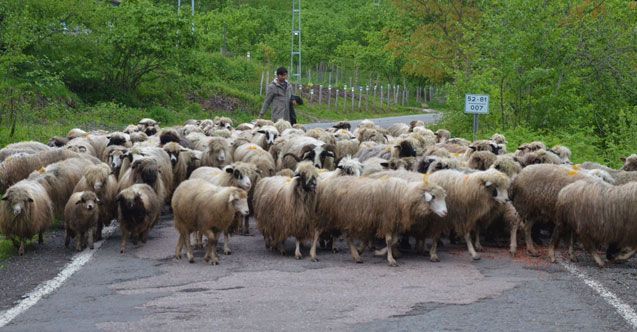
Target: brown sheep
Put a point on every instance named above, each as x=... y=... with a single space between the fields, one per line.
x=442 y=135
x=535 y=192
x=285 y=207
x=56 y=141
x=171 y=135
x=216 y=153
x=145 y=170
x=14 y=169
x=138 y=210
x=599 y=213
x=481 y=160
x=398 y=129
x=539 y=157
x=630 y=163
x=6 y=153
x=81 y=216
x=188 y=161
x=100 y=180
x=208 y=209
x=25 y=210
x=361 y=211
x=120 y=139
x=282 y=125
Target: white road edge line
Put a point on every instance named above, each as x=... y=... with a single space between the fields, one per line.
x=47 y=287
x=622 y=308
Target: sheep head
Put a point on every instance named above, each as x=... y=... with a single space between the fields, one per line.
x=307 y=176
x=88 y=201
x=239 y=200
x=17 y=200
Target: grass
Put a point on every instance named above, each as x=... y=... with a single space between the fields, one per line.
x=6 y=249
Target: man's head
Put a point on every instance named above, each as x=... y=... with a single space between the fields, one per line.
x=282 y=74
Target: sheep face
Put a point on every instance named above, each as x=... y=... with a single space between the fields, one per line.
x=17 y=201
x=499 y=193
x=131 y=203
x=242 y=179
x=116 y=139
x=96 y=176
x=405 y=149
x=115 y=159
x=269 y=136
x=436 y=202
x=307 y=176
x=630 y=163
x=88 y=201
x=239 y=200
x=350 y=167
x=148 y=170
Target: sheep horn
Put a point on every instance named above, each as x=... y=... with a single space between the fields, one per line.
x=329 y=147
x=293 y=156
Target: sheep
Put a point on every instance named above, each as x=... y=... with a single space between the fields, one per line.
x=138 y=209
x=223 y=123
x=282 y=125
x=207 y=123
x=209 y=209
x=285 y=207
x=563 y=152
x=25 y=210
x=299 y=126
x=56 y=141
x=293 y=150
x=148 y=126
x=346 y=147
x=415 y=124
x=470 y=197
x=192 y=122
x=146 y=170
x=265 y=136
x=370 y=134
x=16 y=168
x=113 y=156
x=346 y=166
x=138 y=137
x=31 y=145
x=361 y=211
x=6 y=153
x=442 y=135
x=216 y=153
x=539 y=157
x=81 y=145
x=343 y=125
x=398 y=129
x=119 y=138
x=75 y=133
x=286 y=172
x=481 y=160
x=430 y=164
x=342 y=134
x=163 y=167
x=171 y=135
x=188 y=161
x=81 y=216
x=258 y=123
x=245 y=127
x=498 y=139
x=100 y=180
x=534 y=192
x=507 y=165
x=237 y=174
x=321 y=135
x=401 y=149
x=192 y=129
x=599 y=213
x=254 y=154
x=627 y=173
x=482 y=145
x=225 y=133
x=130 y=129
x=630 y=163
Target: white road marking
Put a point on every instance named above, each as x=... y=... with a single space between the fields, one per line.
x=622 y=308
x=49 y=286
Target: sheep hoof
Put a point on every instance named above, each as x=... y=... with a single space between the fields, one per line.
x=479 y=249
x=314 y=259
x=178 y=256
x=335 y=250
x=393 y=263
x=434 y=259
x=191 y=261
x=512 y=251
x=298 y=256
x=534 y=254
x=214 y=261
x=227 y=252
x=476 y=258
x=121 y=251
x=91 y=247
x=359 y=261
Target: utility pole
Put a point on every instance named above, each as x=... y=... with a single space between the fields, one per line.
x=193 y=12
x=296 y=40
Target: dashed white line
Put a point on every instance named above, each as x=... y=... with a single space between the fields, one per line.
x=49 y=286
x=627 y=312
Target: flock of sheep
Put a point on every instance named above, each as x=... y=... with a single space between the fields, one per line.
x=315 y=186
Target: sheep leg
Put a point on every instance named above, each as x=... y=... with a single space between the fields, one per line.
x=281 y=247
x=21 y=249
x=362 y=247
x=389 y=241
x=380 y=252
x=513 y=246
x=40 y=239
x=593 y=251
x=246 y=225
x=122 y=229
x=334 y=247
x=478 y=246
x=433 y=253
x=186 y=242
x=90 y=238
x=352 y=249
x=180 y=245
x=211 y=252
x=226 y=248
x=199 y=240
x=472 y=251
x=268 y=242
x=297 y=251
x=528 y=226
x=555 y=240
x=313 y=249
x=67 y=238
x=78 y=244
x=98 y=234
x=571 y=250
x=626 y=256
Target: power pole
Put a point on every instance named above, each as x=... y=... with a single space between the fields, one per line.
x=296 y=40
x=193 y=12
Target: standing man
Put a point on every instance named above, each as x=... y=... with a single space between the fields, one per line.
x=278 y=95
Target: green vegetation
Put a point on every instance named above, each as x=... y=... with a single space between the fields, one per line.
x=564 y=71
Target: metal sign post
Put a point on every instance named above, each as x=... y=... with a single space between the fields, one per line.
x=476 y=105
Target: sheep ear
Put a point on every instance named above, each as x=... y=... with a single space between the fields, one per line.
x=229 y=170
x=339 y=167
x=261 y=131
x=78 y=202
x=488 y=184
x=5 y=198
x=231 y=198
x=428 y=197
x=622 y=159
x=30 y=200
x=384 y=164
x=99 y=202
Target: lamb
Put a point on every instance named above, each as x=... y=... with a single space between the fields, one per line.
x=114 y=156
x=471 y=197
x=285 y=207
x=209 y=209
x=138 y=209
x=25 y=210
x=217 y=153
x=265 y=136
x=102 y=182
x=535 y=192
x=599 y=213
x=81 y=216
x=31 y=145
x=361 y=211
x=254 y=154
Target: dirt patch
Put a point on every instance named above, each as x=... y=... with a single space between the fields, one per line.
x=218 y=102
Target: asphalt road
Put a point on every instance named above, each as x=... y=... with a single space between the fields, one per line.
x=256 y=289
x=384 y=122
